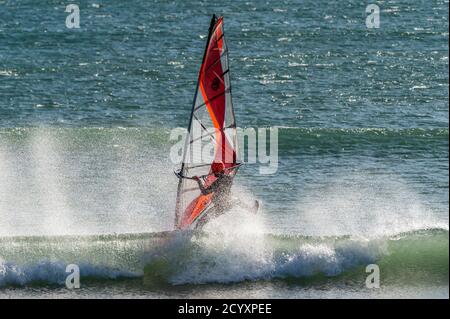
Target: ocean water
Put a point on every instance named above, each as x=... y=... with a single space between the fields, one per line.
x=362 y=178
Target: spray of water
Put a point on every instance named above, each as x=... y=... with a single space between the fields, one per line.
x=51 y=200
x=60 y=182
x=3 y=199
x=67 y=182
x=364 y=206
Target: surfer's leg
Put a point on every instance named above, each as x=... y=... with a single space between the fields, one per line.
x=206 y=218
x=213 y=213
x=202 y=222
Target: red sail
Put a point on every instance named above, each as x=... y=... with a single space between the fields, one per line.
x=212 y=130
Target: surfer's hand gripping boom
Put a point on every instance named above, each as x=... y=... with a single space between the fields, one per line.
x=180 y=175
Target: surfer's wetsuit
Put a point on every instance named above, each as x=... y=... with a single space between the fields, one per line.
x=221 y=198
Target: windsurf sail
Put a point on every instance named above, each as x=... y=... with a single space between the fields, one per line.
x=211 y=133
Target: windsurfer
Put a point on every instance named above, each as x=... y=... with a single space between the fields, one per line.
x=212 y=112
x=221 y=189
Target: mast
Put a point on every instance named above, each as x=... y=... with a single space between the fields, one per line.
x=180 y=181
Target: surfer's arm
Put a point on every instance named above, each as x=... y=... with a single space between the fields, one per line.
x=203 y=189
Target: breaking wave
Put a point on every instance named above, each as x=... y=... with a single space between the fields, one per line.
x=185 y=258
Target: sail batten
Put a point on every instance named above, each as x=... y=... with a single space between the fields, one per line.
x=211 y=132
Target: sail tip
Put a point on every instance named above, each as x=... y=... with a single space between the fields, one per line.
x=213 y=23
x=216 y=18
